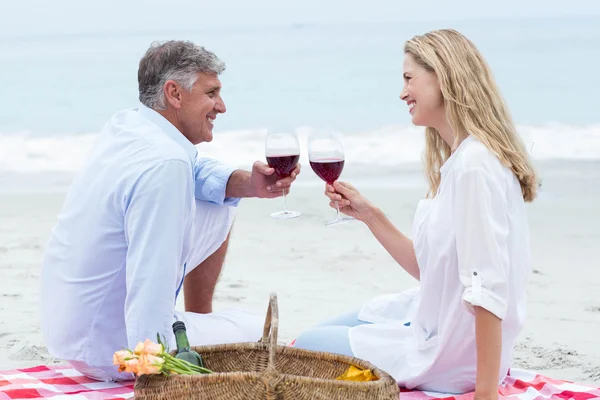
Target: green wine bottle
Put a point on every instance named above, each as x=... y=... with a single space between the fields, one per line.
x=183 y=345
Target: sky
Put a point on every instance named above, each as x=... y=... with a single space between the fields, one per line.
x=33 y=17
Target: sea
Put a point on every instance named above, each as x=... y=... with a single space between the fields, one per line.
x=59 y=90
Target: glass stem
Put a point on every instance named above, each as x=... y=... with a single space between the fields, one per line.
x=285 y=209
x=337 y=207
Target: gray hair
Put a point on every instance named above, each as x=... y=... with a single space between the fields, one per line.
x=177 y=60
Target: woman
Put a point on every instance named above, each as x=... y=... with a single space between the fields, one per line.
x=469 y=248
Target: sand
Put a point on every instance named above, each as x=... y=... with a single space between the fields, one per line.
x=320 y=271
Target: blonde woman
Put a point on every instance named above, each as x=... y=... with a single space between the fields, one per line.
x=469 y=247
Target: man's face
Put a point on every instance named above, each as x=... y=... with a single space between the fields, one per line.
x=200 y=107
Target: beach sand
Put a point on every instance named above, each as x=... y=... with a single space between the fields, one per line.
x=320 y=271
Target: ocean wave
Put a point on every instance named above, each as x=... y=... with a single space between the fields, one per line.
x=384 y=147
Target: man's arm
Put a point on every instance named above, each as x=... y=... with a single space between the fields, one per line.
x=156 y=217
x=262 y=182
x=212 y=180
x=221 y=184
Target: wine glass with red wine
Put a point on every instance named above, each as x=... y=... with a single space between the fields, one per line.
x=326 y=156
x=282 y=150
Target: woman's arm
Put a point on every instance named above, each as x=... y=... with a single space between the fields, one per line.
x=352 y=203
x=488 y=336
x=395 y=242
x=482 y=235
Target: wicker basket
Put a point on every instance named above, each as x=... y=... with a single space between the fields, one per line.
x=264 y=370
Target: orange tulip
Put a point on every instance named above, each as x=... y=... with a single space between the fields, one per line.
x=148 y=347
x=132 y=365
x=120 y=356
x=150 y=358
x=150 y=364
x=139 y=348
x=152 y=348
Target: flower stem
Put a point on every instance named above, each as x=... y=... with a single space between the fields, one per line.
x=183 y=367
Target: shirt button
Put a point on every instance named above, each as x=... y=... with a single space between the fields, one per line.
x=474 y=273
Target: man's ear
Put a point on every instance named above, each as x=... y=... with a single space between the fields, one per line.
x=173 y=93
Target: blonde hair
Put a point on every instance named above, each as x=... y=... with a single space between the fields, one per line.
x=473 y=103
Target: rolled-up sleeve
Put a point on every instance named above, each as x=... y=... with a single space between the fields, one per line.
x=211 y=182
x=157 y=214
x=481 y=221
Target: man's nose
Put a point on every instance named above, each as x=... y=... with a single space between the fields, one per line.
x=220 y=105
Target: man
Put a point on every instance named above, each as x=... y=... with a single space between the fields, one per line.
x=141 y=215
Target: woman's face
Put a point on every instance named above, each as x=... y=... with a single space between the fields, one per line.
x=422 y=94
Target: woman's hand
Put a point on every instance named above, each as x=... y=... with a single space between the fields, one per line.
x=350 y=201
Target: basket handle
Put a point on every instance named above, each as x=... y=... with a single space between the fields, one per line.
x=270 y=329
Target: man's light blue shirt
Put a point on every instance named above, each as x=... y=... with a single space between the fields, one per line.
x=116 y=256
x=211 y=176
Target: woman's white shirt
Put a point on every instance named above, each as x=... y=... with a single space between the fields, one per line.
x=472 y=246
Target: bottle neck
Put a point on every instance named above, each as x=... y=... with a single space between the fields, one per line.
x=182 y=339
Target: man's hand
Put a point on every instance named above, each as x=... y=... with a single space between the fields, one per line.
x=265 y=184
x=262 y=182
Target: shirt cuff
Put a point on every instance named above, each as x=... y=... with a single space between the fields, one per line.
x=485 y=298
x=213 y=188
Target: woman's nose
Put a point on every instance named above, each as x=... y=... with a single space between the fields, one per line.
x=403 y=93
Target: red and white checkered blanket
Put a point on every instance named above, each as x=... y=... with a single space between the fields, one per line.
x=522 y=385
x=63 y=382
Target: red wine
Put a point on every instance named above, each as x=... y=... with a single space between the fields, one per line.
x=328 y=169
x=284 y=165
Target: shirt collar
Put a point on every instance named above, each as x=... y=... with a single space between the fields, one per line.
x=446 y=166
x=171 y=131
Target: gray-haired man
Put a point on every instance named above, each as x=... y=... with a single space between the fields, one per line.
x=143 y=214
